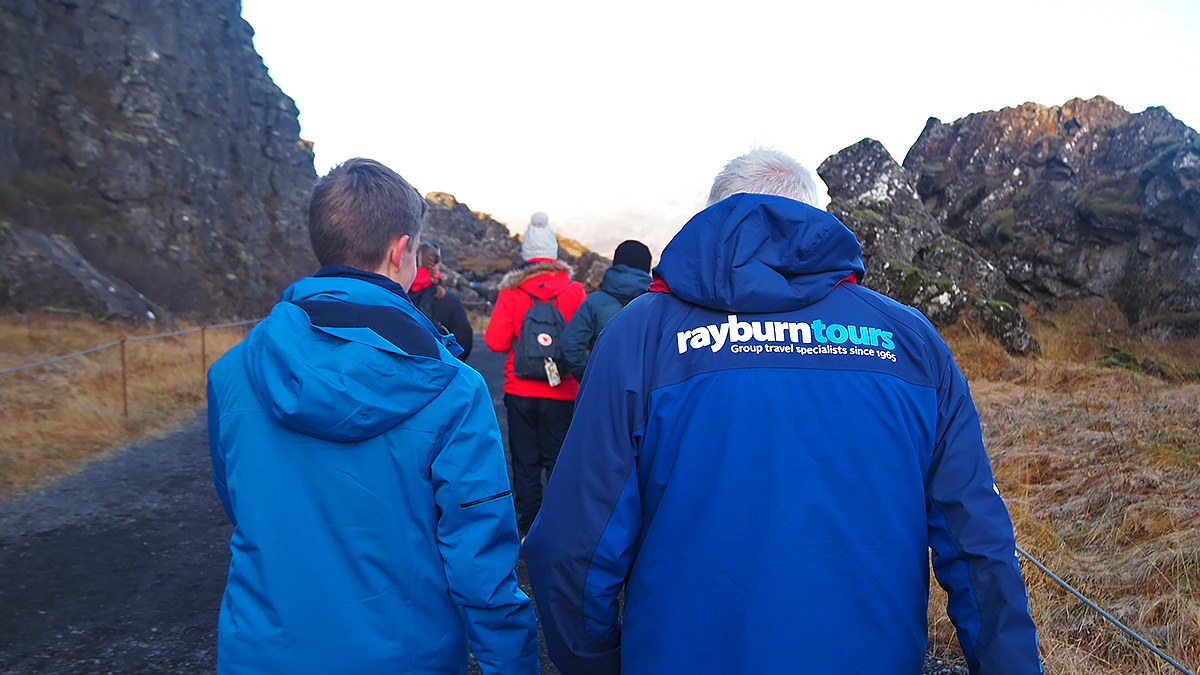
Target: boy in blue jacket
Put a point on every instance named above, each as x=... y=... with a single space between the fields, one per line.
x=764 y=454
x=361 y=465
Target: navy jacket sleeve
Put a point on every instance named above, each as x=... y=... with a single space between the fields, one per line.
x=581 y=546
x=215 y=452
x=477 y=534
x=974 y=552
x=580 y=332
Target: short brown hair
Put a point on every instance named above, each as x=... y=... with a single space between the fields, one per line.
x=358 y=209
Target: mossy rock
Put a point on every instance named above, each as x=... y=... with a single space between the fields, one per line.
x=969 y=199
x=1000 y=226
x=1176 y=325
x=933 y=168
x=938 y=297
x=10 y=199
x=1118 y=357
x=1111 y=199
x=1046 y=256
x=1004 y=322
x=864 y=215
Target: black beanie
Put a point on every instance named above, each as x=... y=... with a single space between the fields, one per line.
x=634 y=254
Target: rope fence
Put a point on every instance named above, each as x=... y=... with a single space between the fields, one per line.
x=203 y=330
x=60 y=358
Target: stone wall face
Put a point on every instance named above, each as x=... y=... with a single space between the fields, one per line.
x=1032 y=204
x=149 y=133
x=1079 y=200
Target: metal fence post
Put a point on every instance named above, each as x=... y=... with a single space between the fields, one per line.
x=203 y=353
x=124 y=379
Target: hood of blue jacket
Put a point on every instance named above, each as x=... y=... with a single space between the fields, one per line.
x=625 y=282
x=759 y=253
x=357 y=362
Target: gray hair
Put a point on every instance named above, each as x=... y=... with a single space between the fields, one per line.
x=765 y=171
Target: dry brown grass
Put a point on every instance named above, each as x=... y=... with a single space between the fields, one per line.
x=54 y=417
x=1100 y=467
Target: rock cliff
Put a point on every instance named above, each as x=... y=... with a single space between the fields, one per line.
x=907 y=254
x=1078 y=200
x=1032 y=204
x=150 y=137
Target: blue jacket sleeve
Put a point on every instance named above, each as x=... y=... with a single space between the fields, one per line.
x=215 y=452
x=477 y=534
x=580 y=332
x=581 y=546
x=974 y=552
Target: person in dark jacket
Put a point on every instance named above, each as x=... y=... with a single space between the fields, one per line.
x=361 y=465
x=628 y=278
x=444 y=308
x=763 y=454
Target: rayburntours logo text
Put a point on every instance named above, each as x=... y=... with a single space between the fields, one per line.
x=751 y=337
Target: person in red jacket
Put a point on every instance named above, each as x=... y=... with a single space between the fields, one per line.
x=538 y=413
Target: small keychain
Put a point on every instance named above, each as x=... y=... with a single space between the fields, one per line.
x=552 y=375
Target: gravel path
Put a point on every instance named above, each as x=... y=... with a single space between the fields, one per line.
x=120 y=567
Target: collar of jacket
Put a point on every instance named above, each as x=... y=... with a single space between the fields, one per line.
x=342 y=284
x=370 y=277
x=531 y=269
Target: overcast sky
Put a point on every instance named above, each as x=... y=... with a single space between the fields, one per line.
x=613 y=117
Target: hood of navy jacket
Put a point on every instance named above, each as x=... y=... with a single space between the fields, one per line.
x=346 y=356
x=759 y=253
x=625 y=282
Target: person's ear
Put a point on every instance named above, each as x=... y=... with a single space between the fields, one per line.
x=396 y=252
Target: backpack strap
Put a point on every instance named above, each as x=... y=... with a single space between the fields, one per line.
x=553 y=299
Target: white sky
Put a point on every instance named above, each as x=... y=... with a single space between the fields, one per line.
x=613 y=117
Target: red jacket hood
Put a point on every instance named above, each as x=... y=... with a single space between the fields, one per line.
x=541 y=279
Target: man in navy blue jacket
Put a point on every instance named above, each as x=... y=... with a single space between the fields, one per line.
x=766 y=453
x=361 y=465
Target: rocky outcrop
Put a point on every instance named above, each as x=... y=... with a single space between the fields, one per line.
x=478 y=250
x=907 y=254
x=150 y=136
x=39 y=272
x=1073 y=201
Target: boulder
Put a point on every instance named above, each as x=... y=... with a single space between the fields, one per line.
x=907 y=254
x=39 y=271
x=875 y=197
x=1002 y=321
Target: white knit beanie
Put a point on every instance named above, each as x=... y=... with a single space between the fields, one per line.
x=539 y=240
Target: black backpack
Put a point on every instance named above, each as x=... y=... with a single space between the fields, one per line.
x=539 y=339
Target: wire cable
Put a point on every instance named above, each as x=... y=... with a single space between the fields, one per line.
x=60 y=358
x=117 y=342
x=1145 y=643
